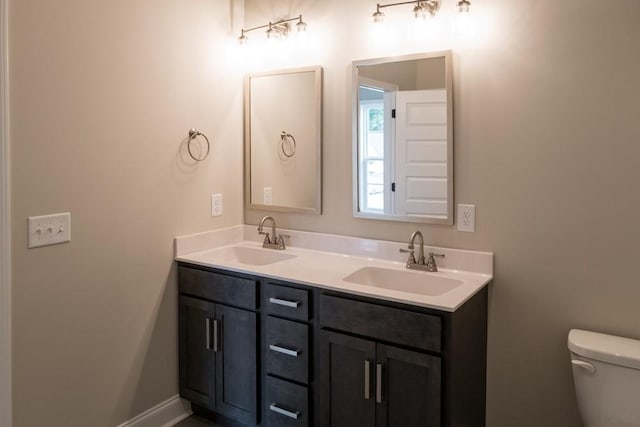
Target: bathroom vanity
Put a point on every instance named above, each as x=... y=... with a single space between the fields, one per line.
x=274 y=338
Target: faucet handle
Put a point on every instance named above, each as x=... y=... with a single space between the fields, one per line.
x=431 y=262
x=267 y=237
x=280 y=240
x=410 y=251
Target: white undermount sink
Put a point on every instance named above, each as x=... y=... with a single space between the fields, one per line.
x=245 y=255
x=404 y=281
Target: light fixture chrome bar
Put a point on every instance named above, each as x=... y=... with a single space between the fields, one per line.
x=422 y=7
x=381 y=6
x=280 y=27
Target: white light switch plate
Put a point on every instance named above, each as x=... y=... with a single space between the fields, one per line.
x=49 y=229
x=216 y=204
x=467 y=218
x=267 y=195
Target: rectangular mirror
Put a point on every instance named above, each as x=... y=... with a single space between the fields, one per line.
x=283 y=125
x=403 y=138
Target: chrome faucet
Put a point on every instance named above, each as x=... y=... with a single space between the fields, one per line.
x=420 y=263
x=271 y=240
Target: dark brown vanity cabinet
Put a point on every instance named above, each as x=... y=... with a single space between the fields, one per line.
x=218 y=335
x=370 y=384
x=272 y=353
x=382 y=364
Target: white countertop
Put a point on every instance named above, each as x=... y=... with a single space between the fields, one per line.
x=313 y=265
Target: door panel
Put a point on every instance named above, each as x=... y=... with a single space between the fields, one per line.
x=236 y=363
x=346 y=358
x=411 y=386
x=196 y=359
x=421 y=153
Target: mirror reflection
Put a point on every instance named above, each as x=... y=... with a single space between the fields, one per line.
x=403 y=141
x=283 y=140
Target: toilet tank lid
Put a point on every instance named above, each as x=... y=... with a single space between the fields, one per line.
x=606 y=348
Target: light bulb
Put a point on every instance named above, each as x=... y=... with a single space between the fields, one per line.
x=419 y=12
x=301 y=26
x=243 y=40
x=465 y=26
x=463 y=6
x=271 y=33
x=378 y=17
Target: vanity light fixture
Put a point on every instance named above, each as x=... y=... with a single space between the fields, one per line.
x=423 y=9
x=275 y=30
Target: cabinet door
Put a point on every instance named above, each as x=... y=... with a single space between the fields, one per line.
x=236 y=364
x=196 y=351
x=348 y=363
x=407 y=388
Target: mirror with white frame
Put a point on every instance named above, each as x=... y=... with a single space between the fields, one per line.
x=283 y=140
x=402 y=126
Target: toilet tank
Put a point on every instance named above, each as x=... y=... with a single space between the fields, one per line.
x=606 y=374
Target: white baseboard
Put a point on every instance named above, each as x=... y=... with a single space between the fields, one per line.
x=166 y=414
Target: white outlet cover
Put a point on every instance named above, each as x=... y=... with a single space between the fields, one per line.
x=467 y=218
x=47 y=230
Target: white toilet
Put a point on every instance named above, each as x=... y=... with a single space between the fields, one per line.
x=606 y=374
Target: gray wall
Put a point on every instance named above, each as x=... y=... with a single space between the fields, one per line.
x=546 y=147
x=102 y=97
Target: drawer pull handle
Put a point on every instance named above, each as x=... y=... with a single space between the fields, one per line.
x=379 y=383
x=207 y=328
x=275 y=408
x=367 y=380
x=284 y=302
x=284 y=350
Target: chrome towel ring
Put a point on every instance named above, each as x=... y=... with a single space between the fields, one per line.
x=288 y=140
x=193 y=134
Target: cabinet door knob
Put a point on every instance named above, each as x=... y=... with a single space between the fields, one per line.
x=291 y=414
x=284 y=350
x=215 y=336
x=284 y=302
x=207 y=331
x=379 y=383
x=367 y=380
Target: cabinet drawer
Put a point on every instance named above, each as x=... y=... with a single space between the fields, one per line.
x=286 y=404
x=286 y=302
x=287 y=349
x=217 y=287
x=380 y=322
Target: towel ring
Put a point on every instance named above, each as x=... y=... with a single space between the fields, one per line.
x=284 y=136
x=193 y=134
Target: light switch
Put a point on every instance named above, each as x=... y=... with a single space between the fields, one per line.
x=49 y=229
x=267 y=195
x=216 y=204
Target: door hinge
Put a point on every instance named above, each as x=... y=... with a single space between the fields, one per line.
x=393 y=113
x=393 y=186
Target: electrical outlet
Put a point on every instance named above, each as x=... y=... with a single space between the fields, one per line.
x=267 y=195
x=216 y=204
x=467 y=218
x=49 y=229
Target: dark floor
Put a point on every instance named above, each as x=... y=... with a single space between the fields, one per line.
x=196 y=421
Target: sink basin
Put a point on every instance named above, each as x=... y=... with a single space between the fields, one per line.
x=245 y=255
x=404 y=281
